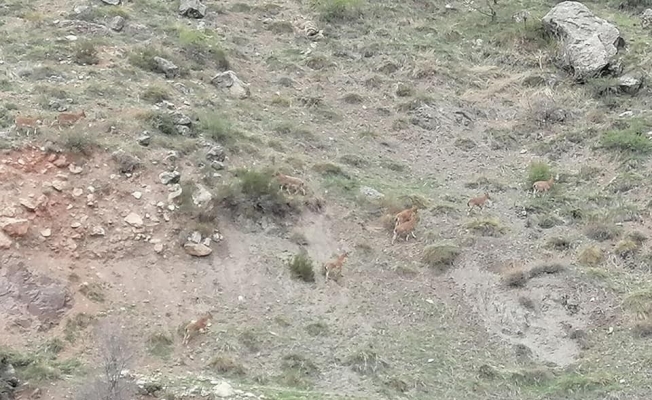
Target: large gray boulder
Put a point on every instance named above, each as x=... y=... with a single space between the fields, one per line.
x=589 y=43
x=192 y=8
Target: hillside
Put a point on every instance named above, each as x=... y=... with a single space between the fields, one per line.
x=160 y=202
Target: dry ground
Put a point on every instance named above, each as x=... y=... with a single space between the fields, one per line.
x=540 y=298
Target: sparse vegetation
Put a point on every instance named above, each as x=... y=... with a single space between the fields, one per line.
x=630 y=139
x=487 y=227
x=155 y=94
x=338 y=10
x=537 y=171
x=227 y=366
x=86 y=53
x=440 y=257
x=591 y=256
x=302 y=268
x=160 y=345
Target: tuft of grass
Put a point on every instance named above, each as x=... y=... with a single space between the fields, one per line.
x=317 y=329
x=155 y=94
x=440 y=257
x=516 y=277
x=642 y=329
x=160 y=345
x=202 y=48
x=639 y=302
x=591 y=256
x=143 y=58
x=630 y=140
x=75 y=325
x=249 y=339
x=227 y=366
x=338 y=10
x=626 y=248
x=538 y=171
x=290 y=129
x=77 y=141
x=163 y=122
x=218 y=128
x=545 y=268
x=93 y=291
x=560 y=243
x=487 y=227
x=601 y=231
x=366 y=362
x=519 y=276
x=301 y=267
x=255 y=193
x=86 y=53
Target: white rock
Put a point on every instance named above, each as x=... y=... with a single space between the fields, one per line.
x=134 y=220
x=47 y=232
x=223 y=390
x=137 y=195
x=75 y=169
x=197 y=249
x=76 y=192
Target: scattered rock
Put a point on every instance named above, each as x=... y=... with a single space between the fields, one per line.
x=29 y=204
x=134 y=220
x=5 y=241
x=137 y=195
x=158 y=248
x=590 y=43
x=630 y=83
x=75 y=225
x=192 y=9
x=117 y=23
x=197 y=249
x=195 y=237
x=201 y=196
x=229 y=80
x=59 y=185
x=98 y=231
x=76 y=192
x=175 y=192
x=8 y=381
x=181 y=119
x=145 y=139
x=216 y=153
x=47 y=232
x=111 y=2
x=60 y=161
x=168 y=177
x=371 y=193
x=218 y=165
x=167 y=67
x=15 y=227
x=75 y=169
x=223 y=390
x=127 y=163
x=183 y=130
x=646 y=18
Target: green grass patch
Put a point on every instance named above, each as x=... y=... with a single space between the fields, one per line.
x=630 y=139
x=440 y=257
x=338 y=10
x=301 y=267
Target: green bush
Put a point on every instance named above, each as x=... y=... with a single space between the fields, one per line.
x=301 y=267
x=86 y=53
x=338 y=10
x=631 y=139
x=538 y=171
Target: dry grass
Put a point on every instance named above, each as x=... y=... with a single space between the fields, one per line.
x=591 y=256
x=440 y=257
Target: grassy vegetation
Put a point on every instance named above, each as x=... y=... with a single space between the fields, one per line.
x=41 y=366
x=440 y=257
x=630 y=139
x=160 y=345
x=302 y=268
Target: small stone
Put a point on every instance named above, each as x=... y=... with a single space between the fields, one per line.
x=117 y=23
x=76 y=192
x=134 y=220
x=217 y=237
x=5 y=241
x=59 y=185
x=111 y=2
x=217 y=165
x=371 y=193
x=75 y=169
x=197 y=249
x=171 y=207
x=229 y=81
x=28 y=204
x=158 y=248
x=98 y=231
x=145 y=139
x=137 y=195
x=75 y=225
x=15 y=227
x=168 y=177
x=175 y=192
x=206 y=242
x=167 y=67
x=166 y=217
x=201 y=196
x=61 y=161
x=160 y=204
x=195 y=237
x=47 y=232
